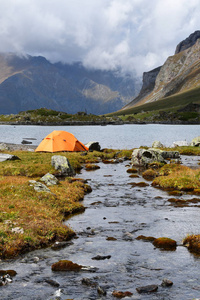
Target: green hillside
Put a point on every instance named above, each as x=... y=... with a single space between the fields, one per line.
x=171 y=103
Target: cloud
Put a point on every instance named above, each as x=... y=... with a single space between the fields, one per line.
x=134 y=35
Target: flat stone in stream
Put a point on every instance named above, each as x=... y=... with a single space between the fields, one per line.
x=60 y=245
x=119 y=294
x=67 y=265
x=100 y=257
x=147 y=289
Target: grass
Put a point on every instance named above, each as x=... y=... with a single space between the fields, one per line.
x=31 y=220
x=176 y=101
x=178 y=177
x=192 y=242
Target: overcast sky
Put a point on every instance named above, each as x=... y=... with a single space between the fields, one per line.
x=136 y=35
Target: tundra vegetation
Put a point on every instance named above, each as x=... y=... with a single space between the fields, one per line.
x=31 y=220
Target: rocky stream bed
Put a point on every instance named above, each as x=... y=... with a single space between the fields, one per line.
x=116 y=214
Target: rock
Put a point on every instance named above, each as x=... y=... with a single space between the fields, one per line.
x=93 y=146
x=38 y=186
x=4 y=157
x=60 y=245
x=145 y=238
x=62 y=164
x=49 y=179
x=24 y=142
x=17 y=230
x=91 y=167
x=52 y=282
x=165 y=243
x=65 y=265
x=101 y=291
x=179 y=144
x=188 y=42
x=119 y=294
x=5 y=279
x=195 y=142
x=11 y=273
x=147 y=289
x=166 y=282
x=88 y=282
x=142 y=157
x=3 y=147
x=100 y=257
x=157 y=144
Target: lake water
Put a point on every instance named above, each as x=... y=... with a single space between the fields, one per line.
x=111 y=136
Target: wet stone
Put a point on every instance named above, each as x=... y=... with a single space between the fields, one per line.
x=52 y=282
x=11 y=273
x=147 y=289
x=101 y=291
x=88 y=282
x=119 y=294
x=6 y=279
x=60 y=245
x=100 y=257
x=166 y=282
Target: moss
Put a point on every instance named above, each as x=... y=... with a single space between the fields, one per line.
x=145 y=238
x=192 y=242
x=119 y=294
x=132 y=170
x=91 y=167
x=65 y=265
x=165 y=243
x=134 y=176
x=149 y=174
x=110 y=238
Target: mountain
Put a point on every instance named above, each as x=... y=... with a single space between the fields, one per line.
x=28 y=82
x=180 y=74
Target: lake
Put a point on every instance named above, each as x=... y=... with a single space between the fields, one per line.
x=110 y=136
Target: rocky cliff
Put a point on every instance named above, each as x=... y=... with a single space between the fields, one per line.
x=188 y=42
x=149 y=79
x=180 y=73
x=33 y=82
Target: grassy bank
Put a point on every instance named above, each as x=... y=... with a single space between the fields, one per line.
x=31 y=220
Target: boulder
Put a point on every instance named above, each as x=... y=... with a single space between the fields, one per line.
x=4 y=157
x=195 y=142
x=38 y=186
x=24 y=142
x=62 y=164
x=157 y=144
x=143 y=157
x=93 y=146
x=179 y=144
x=3 y=147
x=49 y=179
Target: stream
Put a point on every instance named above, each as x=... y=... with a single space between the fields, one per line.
x=116 y=214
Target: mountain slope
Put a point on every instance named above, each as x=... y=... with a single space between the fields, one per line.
x=180 y=73
x=33 y=82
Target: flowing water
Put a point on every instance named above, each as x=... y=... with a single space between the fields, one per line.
x=116 y=210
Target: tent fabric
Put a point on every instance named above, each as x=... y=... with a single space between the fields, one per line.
x=60 y=140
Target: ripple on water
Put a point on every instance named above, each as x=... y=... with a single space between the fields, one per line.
x=120 y=212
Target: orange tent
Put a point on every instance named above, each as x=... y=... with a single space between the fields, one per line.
x=60 y=140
